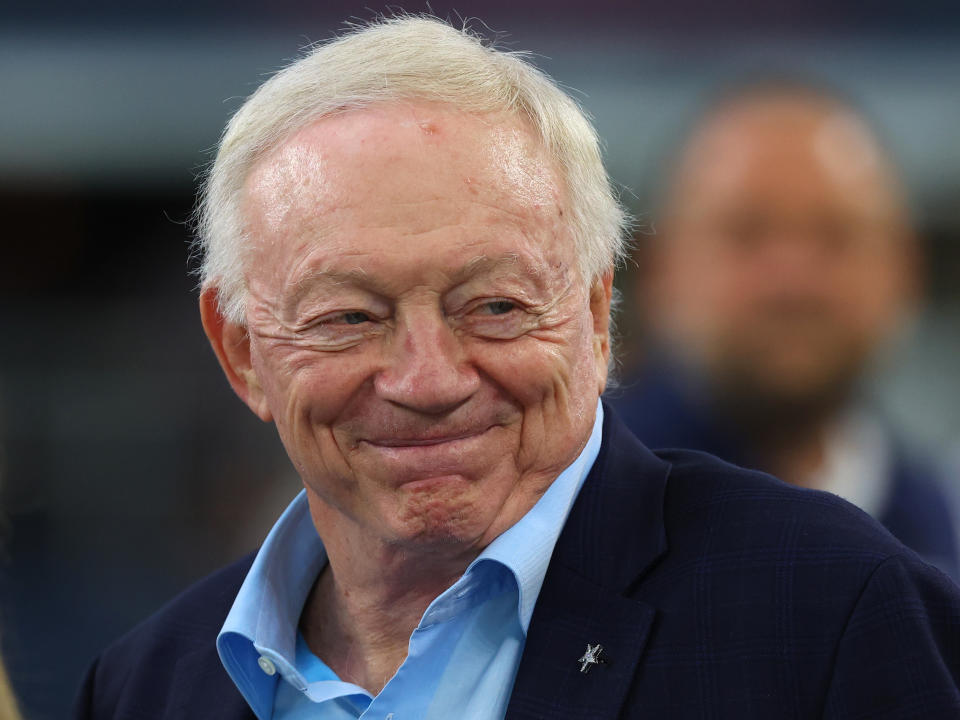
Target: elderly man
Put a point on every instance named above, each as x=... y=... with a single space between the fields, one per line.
x=784 y=259
x=409 y=243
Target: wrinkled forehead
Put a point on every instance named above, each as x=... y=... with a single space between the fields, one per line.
x=390 y=154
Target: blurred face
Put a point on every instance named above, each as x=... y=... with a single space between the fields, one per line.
x=784 y=251
x=418 y=327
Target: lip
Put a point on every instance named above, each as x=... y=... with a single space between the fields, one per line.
x=425 y=441
x=420 y=461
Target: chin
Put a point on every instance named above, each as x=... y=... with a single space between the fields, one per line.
x=439 y=511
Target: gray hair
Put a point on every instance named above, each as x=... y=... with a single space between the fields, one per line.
x=403 y=58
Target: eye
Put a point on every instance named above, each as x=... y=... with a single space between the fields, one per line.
x=497 y=318
x=340 y=328
x=499 y=307
x=346 y=321
x=355 y=318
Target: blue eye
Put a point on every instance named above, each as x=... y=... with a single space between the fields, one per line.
x=500 y=307
x=355 y=318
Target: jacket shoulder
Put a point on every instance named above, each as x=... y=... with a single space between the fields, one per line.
x=817 y=602
x=754 y=509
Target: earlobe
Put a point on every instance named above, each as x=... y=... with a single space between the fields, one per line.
x=231 y=344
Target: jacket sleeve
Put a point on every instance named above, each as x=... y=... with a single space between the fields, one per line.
x=899 y=655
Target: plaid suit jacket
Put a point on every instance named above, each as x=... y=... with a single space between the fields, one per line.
x=715 y=593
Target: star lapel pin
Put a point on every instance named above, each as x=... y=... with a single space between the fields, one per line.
x=593 y=656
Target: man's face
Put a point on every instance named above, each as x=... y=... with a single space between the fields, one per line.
x=418 y=326
x=784 y=256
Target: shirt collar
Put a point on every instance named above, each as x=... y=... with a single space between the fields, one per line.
x=262 y=623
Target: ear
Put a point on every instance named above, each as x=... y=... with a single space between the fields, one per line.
x=600 y=294
x=231 y=343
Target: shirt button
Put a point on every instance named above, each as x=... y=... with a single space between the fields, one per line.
x=267 y=665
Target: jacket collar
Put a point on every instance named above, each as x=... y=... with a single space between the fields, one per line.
x=613 y=536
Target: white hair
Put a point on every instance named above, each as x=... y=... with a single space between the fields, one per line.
x=398 y=59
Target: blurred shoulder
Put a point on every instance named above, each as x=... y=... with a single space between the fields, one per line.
x=921 y=512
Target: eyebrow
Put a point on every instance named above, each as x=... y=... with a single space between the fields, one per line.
x=302 y=284
x=481 y=264
x=487 y=264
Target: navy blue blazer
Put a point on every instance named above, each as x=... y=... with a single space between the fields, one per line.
x=715 y=592
x=664 y=409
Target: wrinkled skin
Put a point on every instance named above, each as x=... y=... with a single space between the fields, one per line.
x=417 y=327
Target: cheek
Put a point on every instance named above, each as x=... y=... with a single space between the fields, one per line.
x=306 y=408
x=304 y=387
x=557 y=386
x=871 y=294
x=273 y=373
x=323 y=392
x=546 y=369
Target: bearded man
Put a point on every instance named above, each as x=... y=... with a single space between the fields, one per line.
x=784 y=262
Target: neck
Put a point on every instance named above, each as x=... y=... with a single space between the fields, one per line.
x=369 y=599
x=786 y=435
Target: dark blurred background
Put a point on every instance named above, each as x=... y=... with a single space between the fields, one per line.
x=127 y=468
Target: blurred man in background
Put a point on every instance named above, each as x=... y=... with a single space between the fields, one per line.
x=783 y=259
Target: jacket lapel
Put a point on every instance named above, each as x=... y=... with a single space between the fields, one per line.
x=613 y=536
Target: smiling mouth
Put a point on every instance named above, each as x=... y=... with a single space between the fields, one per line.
x=425 y=441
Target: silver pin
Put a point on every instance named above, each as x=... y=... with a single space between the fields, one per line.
x=591 y=657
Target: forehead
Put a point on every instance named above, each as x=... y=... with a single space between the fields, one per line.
x=429 y=158
x=805 y=147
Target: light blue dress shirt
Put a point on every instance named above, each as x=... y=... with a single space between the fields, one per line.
x=462 y=657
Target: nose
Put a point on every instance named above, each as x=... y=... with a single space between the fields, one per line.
x=426 y=369
x=793 y=262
